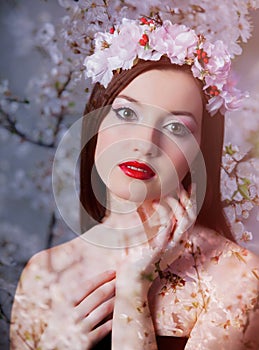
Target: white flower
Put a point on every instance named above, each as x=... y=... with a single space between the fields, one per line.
x=4 y=86
x=238 y=228
x=97 y=68
x=102 y=39
x=230 y=213
x=247 y=236
x=45 y=34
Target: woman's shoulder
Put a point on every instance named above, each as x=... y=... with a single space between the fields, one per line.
x=60 y=256
x=63 y=264
x=70 y=259
x=56 y=257
x=215 y=248
x=47 y=265
x=233 y=268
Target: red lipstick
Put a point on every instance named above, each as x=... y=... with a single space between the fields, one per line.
x=137 y=170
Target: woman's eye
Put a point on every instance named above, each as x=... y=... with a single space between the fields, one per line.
x=177 y=129
x=125 y=113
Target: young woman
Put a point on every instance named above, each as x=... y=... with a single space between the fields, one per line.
x=156 y=263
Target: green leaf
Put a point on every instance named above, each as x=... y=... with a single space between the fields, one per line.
x=229 y=150
x=147 y=277
x=71 y=104
x=246 y=181
x=244 y=191
x=57 y=85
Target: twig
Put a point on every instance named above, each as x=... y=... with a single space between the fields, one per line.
x=12 y=128
x=193 y=253
x=248 y=156
x=50 y=235
x=3 y=315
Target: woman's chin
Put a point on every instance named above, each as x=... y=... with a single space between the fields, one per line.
x=134 y=196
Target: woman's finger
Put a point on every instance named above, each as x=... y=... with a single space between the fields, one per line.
x=183 y=196
x=96 y=298
x=98 y=315
x=162 y=212
x=92 y=284
x=188 y=201
x=163 y=235
x=99 y=333
x=192 y=205
x=176 y=207
x=182 y=209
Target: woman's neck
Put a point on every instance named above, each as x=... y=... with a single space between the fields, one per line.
x=122 y=213
x=128 y=222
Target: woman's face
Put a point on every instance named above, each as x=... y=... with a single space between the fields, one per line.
x=151 y=135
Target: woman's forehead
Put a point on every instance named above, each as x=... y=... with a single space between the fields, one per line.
x=171 y=90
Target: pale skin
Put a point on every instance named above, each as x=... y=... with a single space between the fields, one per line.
x=96 y=280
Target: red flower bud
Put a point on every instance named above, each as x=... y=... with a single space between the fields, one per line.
x=199 y=51
x=112 y=30
x=202 y=56
x=214 y=91
x=143 y=20
x=144 y=40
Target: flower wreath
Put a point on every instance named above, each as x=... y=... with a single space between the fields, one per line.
x=150 y=39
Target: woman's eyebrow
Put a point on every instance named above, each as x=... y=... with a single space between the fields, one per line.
x=186 y=113
x=128 y=98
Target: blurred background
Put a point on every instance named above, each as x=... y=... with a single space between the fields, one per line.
x=42 y=94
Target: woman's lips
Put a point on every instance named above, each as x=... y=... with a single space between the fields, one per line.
x=137 y=170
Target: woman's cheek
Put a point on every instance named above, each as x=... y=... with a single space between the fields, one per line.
x=112 y=148
x=180 y=157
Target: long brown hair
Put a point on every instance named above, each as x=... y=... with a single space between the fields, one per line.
x=91 y=186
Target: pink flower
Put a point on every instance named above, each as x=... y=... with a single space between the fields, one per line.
x=97 y=68
x=233 y=97
x=130 y=41
x=214 y=104
x=218 y=65
x=124 y=47
x=229 y=99
x=176 y=41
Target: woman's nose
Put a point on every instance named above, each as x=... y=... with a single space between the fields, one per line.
x=146 y=141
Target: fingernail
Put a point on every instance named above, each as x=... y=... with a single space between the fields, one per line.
x=155 y=204
x=111 y=272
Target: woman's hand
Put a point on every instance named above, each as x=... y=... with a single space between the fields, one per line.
x=184 y=211
x=94 y=307
x=167 y=231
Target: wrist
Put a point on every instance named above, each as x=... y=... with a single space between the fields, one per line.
x=132 y=278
